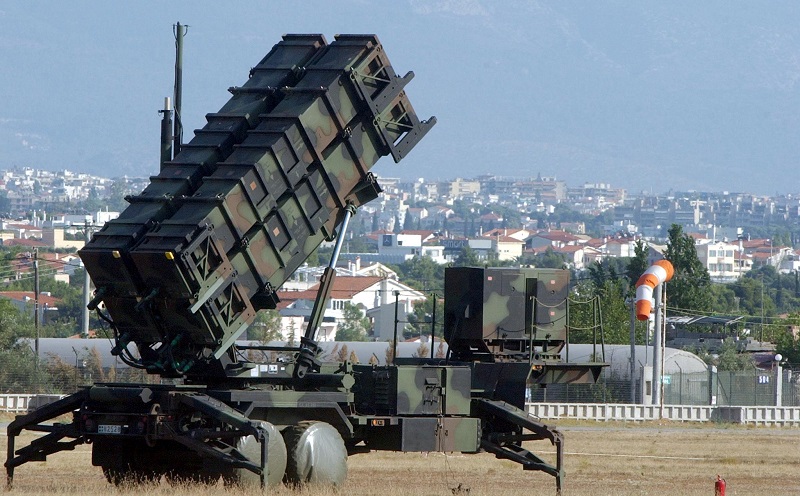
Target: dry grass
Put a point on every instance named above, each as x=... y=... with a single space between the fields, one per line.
x=608 y=458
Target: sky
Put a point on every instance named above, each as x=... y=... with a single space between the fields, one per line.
x=647 y=96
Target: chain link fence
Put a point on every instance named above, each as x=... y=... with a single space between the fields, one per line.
x=727 y=388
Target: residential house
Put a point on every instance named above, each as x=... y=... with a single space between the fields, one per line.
x=25 y=301
x=719 y=259
x=506 y=247
x=542 y=239
x=376 y=296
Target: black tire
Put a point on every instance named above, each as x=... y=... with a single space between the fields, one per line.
x=316 y=454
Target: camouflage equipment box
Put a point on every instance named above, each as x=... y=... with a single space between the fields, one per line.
x=414 y=390
x=505 y=314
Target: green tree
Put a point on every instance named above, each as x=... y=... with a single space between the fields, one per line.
x=730 y=359
x=18 y=370
x=786 y=342
x=419 y=321
x=116 y=197
x=266 y=326
x=600 y=313
x=467 y=258
x=354 y=325
x=549 y=259
x=690 y=286
x=637 y=264
x=421 y=273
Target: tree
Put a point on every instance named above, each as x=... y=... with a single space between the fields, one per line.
x=788 y=345
x=691 y=284
x=116 y=196
x=637 y=264
x=354 y=325
x=419 y=321
x=730 y=359
x=408 y=222
x=596 y=309
x=421 y=273
x=549 y=259
x=467 y=258
x=13 y=325
x=266 y=326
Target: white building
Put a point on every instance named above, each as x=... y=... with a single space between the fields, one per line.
x=375 y=296
x=719 y=259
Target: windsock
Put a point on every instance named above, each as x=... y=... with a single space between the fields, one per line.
x=661 y=271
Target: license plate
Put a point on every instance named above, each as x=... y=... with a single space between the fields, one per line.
x=109 y=429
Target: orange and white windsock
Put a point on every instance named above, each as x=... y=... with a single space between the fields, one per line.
x=660 y=272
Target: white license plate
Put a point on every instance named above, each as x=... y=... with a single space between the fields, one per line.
x=109 y=429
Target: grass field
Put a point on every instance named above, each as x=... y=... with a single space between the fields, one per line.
x=602 y=458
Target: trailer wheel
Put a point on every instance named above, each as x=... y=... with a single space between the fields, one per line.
x=317 y=454
x=276 y=459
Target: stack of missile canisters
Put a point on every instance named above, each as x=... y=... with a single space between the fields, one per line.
x=187 y=264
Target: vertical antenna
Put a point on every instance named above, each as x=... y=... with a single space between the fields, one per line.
x=179 y=31
x=166 y=132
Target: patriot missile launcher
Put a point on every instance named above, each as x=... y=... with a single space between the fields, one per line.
x=181 y=273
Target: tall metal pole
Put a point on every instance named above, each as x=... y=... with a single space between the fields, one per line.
x=166 y=132
x=657 y=348
x=87 y=289
x=36 y=310
x=761 y=332
x=394 y=341
x=179 y=31
x=433 y=324
x=633 y=351
x=663 y=323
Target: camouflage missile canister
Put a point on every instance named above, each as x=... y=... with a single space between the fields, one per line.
x=220 y=250
x=499 y=314
x=106 y=255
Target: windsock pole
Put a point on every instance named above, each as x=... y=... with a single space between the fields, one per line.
x=650 y=285
x=658 y=350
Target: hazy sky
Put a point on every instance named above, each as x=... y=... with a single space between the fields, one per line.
x=642 y=95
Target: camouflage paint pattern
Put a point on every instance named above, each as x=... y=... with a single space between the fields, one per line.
x=242 y=207
x=106 y=256
x=505 y=314
x=413 y=389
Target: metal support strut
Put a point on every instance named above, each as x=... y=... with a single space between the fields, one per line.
x=307 y=356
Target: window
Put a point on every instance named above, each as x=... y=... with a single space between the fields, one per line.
x=712 y=253
x=728 y=253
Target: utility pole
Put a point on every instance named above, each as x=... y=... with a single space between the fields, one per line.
x=394 y=342
x=433 y=324
x=36 y=310
x=633 y=352
x=87 y=287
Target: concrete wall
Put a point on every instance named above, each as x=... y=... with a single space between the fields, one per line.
x=758 y=415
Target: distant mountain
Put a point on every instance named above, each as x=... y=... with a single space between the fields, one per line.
x=644 y=95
